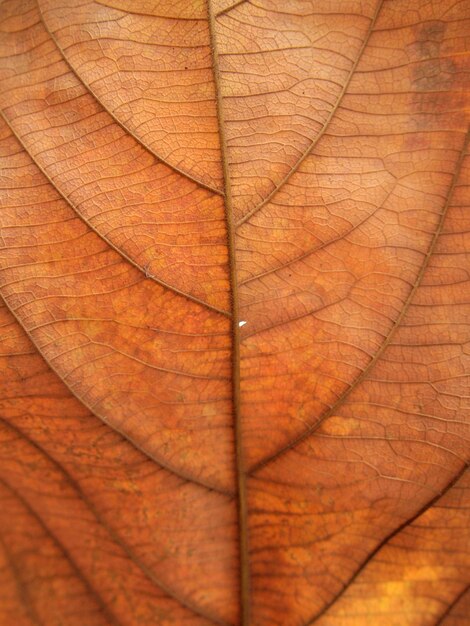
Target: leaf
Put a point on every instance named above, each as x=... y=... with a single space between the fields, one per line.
x=234 y=270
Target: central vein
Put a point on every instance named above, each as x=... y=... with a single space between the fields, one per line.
x=240 y=469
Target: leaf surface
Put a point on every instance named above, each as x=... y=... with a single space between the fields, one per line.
x=234 y=270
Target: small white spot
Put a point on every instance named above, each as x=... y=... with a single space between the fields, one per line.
x=242 y=323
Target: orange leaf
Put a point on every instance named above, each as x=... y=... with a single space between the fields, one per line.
x=234 y=271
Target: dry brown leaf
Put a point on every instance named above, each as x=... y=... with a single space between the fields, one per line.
x=235 y=278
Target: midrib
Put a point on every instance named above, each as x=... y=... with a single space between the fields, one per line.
x=239 y=461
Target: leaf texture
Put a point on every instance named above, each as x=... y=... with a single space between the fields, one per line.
x=235 y=277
